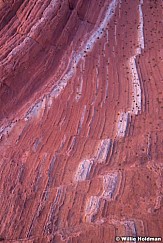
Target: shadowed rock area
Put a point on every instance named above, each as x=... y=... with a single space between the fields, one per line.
x=81 y=120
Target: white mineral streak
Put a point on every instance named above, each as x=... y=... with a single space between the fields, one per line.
x=158 y=202
x=110 y=183
x=6 y=130
x=71 y=146
x=140 y=29
x=49 y=101
x=107 y=41
x=107 y=80
x=62 y=143
x=61 y=84
x=136 y=89
x=149 y=146
x=97 y=74
x=103 y=150
x=83 y=170
x=83 y=115
x=91 y=209
x=99 y=32
x=130 y=227
x=79 y=89
x=37 y=110
x=49 y=11
x=82 y=119
x=120 y=3
x=115 y=33
x=59 y=198
x=18 y=50
x=123 y=122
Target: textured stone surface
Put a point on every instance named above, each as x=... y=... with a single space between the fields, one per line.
x=81 y=120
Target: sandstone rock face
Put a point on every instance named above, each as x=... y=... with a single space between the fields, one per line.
x=81 y=120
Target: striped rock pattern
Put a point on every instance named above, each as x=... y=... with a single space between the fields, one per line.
x=81 y=111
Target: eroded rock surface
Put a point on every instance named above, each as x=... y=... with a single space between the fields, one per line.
x=81 y=111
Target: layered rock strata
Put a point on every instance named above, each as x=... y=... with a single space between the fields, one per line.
x=81 y=110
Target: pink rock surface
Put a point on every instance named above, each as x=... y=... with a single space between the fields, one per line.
x=81 y=110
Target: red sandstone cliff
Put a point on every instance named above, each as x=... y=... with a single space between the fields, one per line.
x=81 y=111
